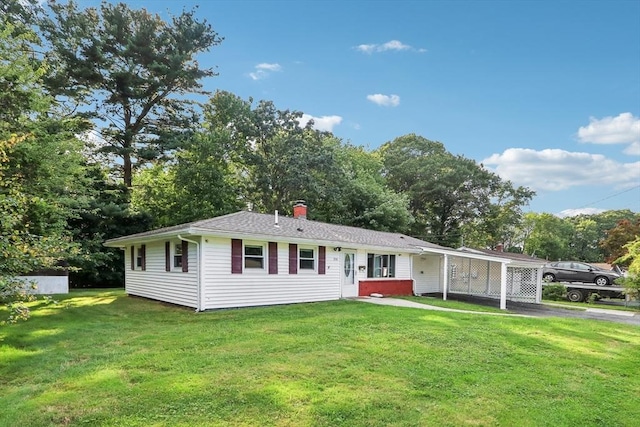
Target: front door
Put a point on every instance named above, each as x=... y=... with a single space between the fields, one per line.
x=348 y=274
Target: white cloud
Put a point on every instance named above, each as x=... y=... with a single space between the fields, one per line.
x=583 y=211
x=322 y=123
x=366 y=48
x=270 y=67
x=633 y=149
x=555 y=169
x=263 y=70
x=622 y=129
x=396 y=45
x=384 y=100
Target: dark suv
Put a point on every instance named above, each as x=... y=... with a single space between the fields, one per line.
x=574 y=271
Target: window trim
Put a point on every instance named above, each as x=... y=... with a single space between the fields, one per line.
x=140 y=257
x=263 y=257
x=314 y=259
x=174 y=255
x=391 y=265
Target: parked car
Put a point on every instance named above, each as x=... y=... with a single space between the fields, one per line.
x=574 y=271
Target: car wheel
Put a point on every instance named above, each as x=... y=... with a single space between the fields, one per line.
x=575 y=295
x=601 y=281
x=548 y=277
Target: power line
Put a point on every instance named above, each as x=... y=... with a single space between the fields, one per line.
x=608 y=197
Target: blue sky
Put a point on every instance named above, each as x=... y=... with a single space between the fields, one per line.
x=544 y=93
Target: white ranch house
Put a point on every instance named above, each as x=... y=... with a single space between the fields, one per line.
x=251 y=259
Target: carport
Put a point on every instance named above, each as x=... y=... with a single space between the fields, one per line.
x=489 y=274
x=524 y=274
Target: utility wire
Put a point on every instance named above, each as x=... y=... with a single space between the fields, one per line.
x=608 y=197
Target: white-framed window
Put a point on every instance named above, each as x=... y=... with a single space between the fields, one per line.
x=306 y=259
x=177 y=256
x=254 y=255
x=139 y=257
x=381 y=265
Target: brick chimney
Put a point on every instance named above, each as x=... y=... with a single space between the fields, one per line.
x=300 y=210
x=500 y=247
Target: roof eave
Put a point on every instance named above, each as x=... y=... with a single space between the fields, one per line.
x=454 y=252
x=120 y=242
x=302 y=240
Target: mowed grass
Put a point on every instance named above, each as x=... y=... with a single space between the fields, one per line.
x=113 y=360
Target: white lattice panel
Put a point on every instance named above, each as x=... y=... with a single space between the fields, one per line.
x=522 y=284
x=482 y=278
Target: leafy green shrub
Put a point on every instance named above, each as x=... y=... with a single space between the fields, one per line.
x=593 y=297
x=554 y=292
x=14 y=294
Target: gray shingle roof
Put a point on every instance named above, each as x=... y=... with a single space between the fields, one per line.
x=263 y=226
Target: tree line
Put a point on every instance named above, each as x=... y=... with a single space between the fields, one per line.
x=101 y=136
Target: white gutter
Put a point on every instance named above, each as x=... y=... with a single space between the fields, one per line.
x=462 y=254
x=199 y=284
x=304 y=240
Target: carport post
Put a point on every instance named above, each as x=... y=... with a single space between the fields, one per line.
x=445 y=282
x=538 y=285
x=503 y=286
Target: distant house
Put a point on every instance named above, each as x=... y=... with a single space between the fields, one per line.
x=252 y=259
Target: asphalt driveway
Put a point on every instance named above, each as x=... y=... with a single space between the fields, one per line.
x=519 y=308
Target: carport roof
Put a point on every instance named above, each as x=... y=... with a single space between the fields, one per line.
x=513 y=257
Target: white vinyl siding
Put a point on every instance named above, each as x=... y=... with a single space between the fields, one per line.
x=175 y=287
x=427 y=273
x=222 y=289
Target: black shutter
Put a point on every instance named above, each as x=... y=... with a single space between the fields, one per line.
x=273 y=258
x=185 y=256
x=322 y=259
x=293 y=258
x=167 y=256
x=133 y=257
x=143 y=251
x=236 y=256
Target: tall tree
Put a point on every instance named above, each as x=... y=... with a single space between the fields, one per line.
x=615 y=242
x=446 y=192
x=41 y=169
x=359 y=195
x=632 y=259
x=131 y=70
x=546 y=236
x=500 y=224
x=41 y=166
x=257 y=156
x=583 y=244
x=107 y=215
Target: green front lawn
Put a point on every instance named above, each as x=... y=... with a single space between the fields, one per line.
x=114 y=360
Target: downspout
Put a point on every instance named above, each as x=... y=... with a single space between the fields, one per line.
x=198 y=275
x=413 y=280
x=445 y=282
